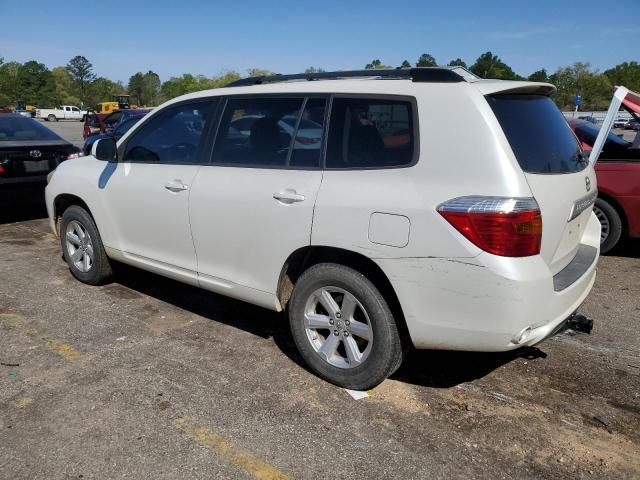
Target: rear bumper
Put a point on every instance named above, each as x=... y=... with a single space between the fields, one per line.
x=488 y=303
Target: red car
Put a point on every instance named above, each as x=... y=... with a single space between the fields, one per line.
x=618 y=172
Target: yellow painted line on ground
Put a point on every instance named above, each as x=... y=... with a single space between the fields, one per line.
x=225 y=449
x=65 y=350
x=24 y=402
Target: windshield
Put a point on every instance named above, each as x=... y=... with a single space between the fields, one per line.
x=17 y=128
x=538 y=134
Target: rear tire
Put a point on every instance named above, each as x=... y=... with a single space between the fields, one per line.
x=343 y=327
x=52 y=118
x=82 y=247
x=610 y=223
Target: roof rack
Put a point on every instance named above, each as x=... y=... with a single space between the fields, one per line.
x=419 y=74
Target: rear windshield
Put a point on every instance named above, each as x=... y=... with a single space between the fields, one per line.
x=15 y=128
x=538 y=133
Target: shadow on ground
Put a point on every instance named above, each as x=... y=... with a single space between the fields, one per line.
x=19 y=205
x=438 y=369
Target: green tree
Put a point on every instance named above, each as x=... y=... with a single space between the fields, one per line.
x=34 y=81
x=188 y=83
x=9 y=86
x=145 y=87
x=314 y=70
x=103 y=90
x=259 y=72
x=458 y=62
x=539 y=76
x=626 y=74
x=405 y=64
x=489 y=65
x=595 y=88
x=426 y=60
x=81 y=72
x=376 y=65
x=63 y=87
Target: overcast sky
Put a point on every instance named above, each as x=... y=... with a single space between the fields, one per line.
x=207 y=37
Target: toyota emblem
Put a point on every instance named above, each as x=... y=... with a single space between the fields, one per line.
x=35 y=153
x=587 y=183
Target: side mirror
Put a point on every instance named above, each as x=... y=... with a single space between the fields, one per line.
x=105 y=149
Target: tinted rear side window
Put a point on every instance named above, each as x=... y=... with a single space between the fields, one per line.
x=370 y=133
x=538 y=133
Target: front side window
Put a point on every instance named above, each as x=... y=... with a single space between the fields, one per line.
x=75 y=109
x=370 y=133
x=173 y=135
x=257 y=131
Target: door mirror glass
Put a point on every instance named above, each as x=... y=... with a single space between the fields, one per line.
x=105 y=149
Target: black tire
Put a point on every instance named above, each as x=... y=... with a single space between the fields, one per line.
x=52 y=118
x=100 y=270
x=386 y=352
x=611 y=224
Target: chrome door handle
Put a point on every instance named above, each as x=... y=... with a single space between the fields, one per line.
x=288 y=196
x=176 y=186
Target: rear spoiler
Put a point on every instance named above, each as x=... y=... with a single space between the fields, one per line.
x=624 y=97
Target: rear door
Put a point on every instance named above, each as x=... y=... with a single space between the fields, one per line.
x=252 y=206
x=560 y=178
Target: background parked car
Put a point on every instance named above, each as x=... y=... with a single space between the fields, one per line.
x=618 y=172
x=620 y=122
x=28 y=152
x=101 y=123
x=115 y=130
x=63 y=112
x=632 y=124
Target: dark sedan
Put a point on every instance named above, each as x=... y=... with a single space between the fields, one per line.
x=28 y=152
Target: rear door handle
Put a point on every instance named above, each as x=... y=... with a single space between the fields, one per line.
x=288 y=196
x=176 y=186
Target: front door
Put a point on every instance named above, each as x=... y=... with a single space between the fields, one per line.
x=252 y=206
x=147 y=193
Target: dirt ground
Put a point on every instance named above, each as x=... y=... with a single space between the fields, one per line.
x=149 y=378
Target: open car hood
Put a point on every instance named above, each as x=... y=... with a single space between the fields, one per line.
x=625 y=98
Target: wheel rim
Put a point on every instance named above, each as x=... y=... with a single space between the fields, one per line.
x=604 y=224
x=79 y=246
x=338 y=327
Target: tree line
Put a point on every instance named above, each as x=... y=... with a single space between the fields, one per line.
x=76 y=83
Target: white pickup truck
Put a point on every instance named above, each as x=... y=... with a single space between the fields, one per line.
x=63 y=112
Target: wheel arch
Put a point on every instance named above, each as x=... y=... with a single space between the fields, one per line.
x=64 y=201
x=305 y=257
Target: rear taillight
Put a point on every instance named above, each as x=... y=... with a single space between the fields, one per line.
x=509 y=227
x=2 y=170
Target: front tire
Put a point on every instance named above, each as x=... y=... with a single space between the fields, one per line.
x=343 y=327
x=610 y=224
x=82 y=247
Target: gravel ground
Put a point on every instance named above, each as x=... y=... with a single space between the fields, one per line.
x=149 y=378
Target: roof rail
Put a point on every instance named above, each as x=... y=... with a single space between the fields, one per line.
x=418 y=74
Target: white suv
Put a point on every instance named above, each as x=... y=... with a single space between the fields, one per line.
x=384 y=222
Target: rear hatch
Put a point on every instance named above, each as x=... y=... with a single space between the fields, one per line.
x=560 y=178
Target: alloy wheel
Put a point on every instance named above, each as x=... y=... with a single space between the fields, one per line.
x=338 y=327
x=79 y=246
